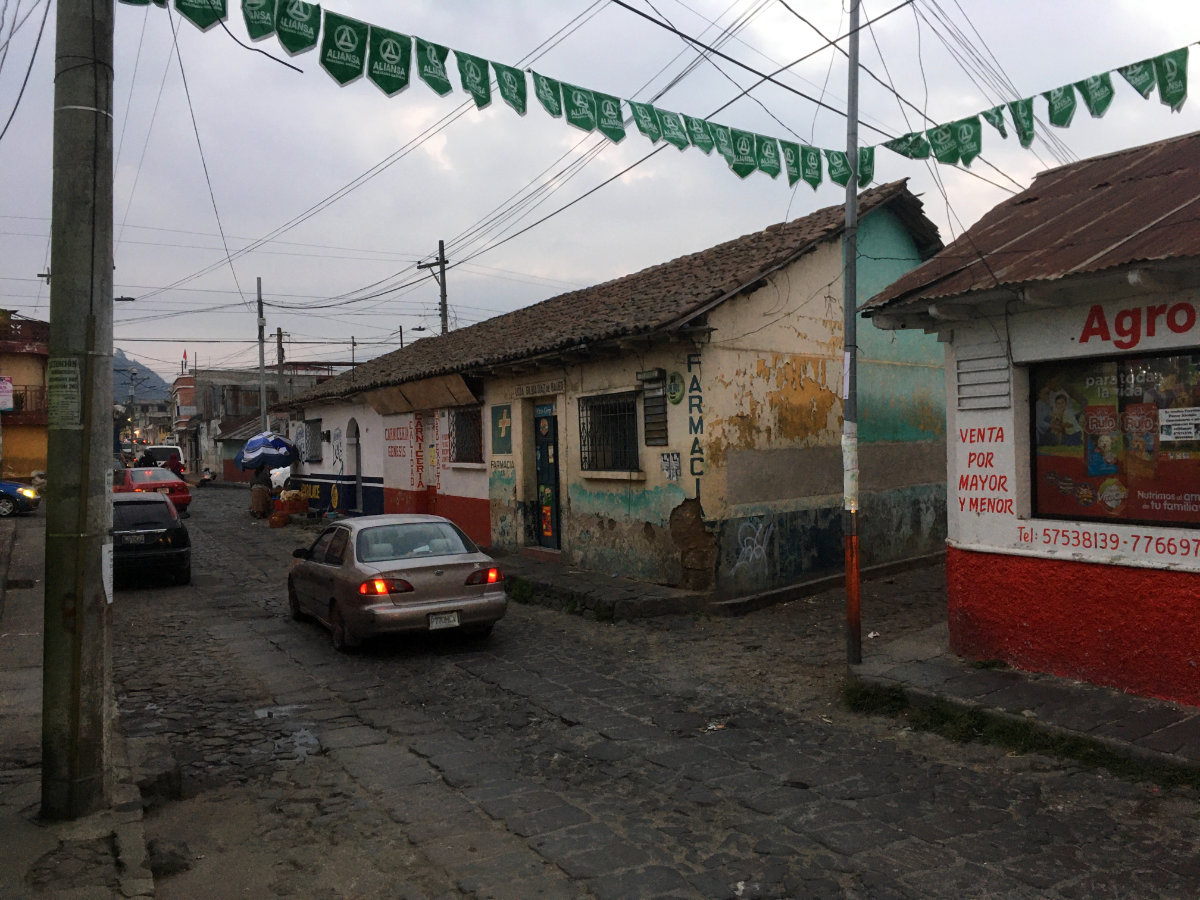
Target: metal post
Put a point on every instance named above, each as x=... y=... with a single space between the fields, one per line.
x=77 y=655
x=850 y=363
x=440 y=263
x=262 y=359
x=279 y=357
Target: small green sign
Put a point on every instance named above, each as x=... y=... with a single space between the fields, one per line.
x=344 y=47
x=766 y=155
x=511 y=82
x=675 y=389
x=473 y=73
x=390 y=60
x=549 y=94
x=646 y=120
x=297 y=24
x=502 y=430
x=204 y=14
x=699 y=134
x=260 y=18
x=579 y=107
x=673 y=129
x=609 y=120
x=431 y=66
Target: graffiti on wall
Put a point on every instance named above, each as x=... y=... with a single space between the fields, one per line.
x=339 y=454
x=300 y=439
x=754 y=545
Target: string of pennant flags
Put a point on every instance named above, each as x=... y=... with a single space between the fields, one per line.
x=350 y=49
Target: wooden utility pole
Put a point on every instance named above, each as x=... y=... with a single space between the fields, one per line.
x=77 y=654
x=850 y=363
x=440 y=275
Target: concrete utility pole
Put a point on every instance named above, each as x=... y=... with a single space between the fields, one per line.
x=850 y=365
x=262 y=359
x=77 y=653
x=440 y=263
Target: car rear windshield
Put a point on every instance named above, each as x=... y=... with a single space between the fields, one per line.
x=162 y=454
x=412 y=540
x=153 y=476
x=143 y=515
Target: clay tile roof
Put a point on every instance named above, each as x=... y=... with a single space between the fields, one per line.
x=657 y=298
x=1134 y=206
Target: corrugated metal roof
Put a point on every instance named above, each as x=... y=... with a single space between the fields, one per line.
x=656 y=298
x=1134 y=206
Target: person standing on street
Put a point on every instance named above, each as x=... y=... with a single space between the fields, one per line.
x=260 y=493
x=175 y=464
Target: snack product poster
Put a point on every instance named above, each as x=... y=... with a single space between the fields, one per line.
x=1118 y=439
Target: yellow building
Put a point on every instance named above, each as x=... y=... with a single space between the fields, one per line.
x=24 y=350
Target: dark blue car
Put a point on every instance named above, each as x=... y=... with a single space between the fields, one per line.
x=16 y=497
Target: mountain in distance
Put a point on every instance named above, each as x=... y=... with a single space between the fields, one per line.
x=147 y=385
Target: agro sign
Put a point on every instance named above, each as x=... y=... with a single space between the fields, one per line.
x=1129 y=325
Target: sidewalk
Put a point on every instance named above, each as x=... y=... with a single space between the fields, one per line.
x=100 y=855
x=104 y=854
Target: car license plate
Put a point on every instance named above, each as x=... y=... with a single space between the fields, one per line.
x=164 y=490
x=443 y=620
x=133 y=539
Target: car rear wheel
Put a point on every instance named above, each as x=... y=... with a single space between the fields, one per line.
x=479 y=632
x=342 y=641
x=294 y=603
x=7 y=506
x=183 y=575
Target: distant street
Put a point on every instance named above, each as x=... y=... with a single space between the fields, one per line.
x=675 y=757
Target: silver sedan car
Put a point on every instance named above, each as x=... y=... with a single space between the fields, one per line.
x=376 y=575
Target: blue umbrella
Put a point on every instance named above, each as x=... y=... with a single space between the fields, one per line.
x=267 y=449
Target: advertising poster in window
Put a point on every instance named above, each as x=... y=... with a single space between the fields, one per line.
x=1118 y=439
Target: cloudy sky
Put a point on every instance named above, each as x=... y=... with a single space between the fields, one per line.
x=219 y=146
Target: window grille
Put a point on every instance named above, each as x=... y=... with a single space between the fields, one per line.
x=466 y=435
x=312 y=445
x=608 y=433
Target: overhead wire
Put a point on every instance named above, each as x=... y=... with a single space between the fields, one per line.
x=28 y=71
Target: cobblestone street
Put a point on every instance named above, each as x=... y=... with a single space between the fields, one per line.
x=682 y=756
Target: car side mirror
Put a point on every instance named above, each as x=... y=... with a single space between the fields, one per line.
x=300 y=553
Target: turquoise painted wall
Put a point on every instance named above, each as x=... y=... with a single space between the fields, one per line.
x=901 y=386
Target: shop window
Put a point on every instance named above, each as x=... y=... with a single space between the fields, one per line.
x=312 y=443
x=466 y=435
x=608 y=438
x=1118 y=439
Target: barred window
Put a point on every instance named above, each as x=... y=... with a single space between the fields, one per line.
x=608 y=436
x=312 y=438
x=466 y=435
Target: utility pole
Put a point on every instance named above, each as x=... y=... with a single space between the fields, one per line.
x=279 y=356
x=77 y=650
x=262 y=359
x=440 y=275
x=850 y=363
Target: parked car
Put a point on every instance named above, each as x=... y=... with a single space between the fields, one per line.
x=149 y=538
x=375 y=575
x=16 y=497
x=160 y=481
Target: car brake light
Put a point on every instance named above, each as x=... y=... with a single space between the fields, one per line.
x=485 y=576
x=382 y=586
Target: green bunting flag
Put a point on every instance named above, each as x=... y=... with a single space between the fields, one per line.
x=473 y=73
x=511 y=83
x=609 y=119
x=1097 y=93
x=810 y=165
x=549 y=94
x=791 y=161
x=260 y=18
x=839 y=167
x=723 y=140
x=344 y=47
x=579 y=107
x=914 y=145
x=204 y=14
x=673 y=130
x=646 y=120
x=699 y=134
x=1022 y=116
x=1170 y=71
x=1062 y=105
x=766 y=154
x=1140 y=76
x=162 y=3
x=944 y=141
x=744 y=161
x=866 y=165
x=995 y=118
x=431 y=66
x=297 y=24
x=390 y=60
x=968 y=133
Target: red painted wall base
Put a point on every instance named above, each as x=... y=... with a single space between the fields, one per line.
x=1134 y=629
x=472 y=515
